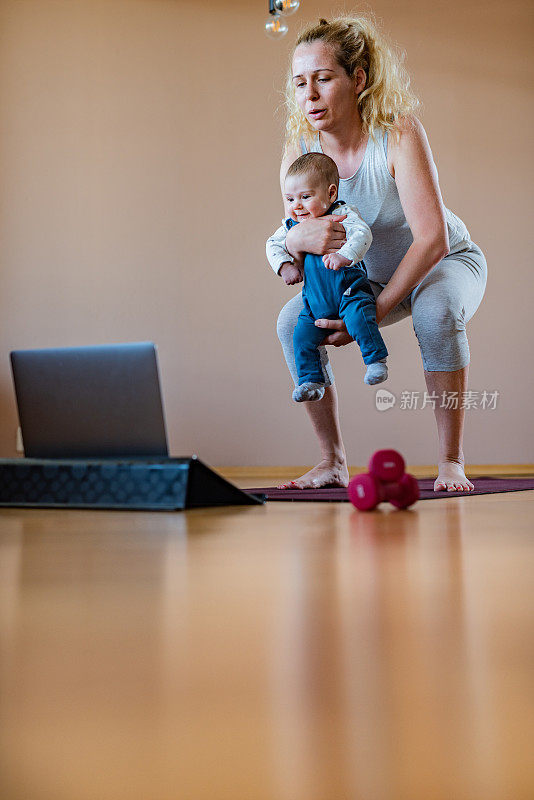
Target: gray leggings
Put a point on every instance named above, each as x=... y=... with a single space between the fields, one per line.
x=440 y=306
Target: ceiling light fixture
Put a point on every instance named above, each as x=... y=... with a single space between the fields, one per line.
x=275 y=27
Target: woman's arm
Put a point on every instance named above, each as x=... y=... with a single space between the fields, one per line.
x=321 y=235
x=417 y=182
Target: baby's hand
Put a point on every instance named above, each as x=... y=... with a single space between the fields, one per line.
x=335 y=261
x=290 y=273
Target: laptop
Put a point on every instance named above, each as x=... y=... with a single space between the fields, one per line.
x=90 y=402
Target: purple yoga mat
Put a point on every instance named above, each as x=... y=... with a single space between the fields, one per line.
x=483 y=485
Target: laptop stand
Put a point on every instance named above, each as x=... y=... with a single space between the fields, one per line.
x=168 y=484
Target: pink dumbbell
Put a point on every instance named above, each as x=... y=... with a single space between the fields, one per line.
x=386 y=480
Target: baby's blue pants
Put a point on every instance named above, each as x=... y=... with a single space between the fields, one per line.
x=334 y=294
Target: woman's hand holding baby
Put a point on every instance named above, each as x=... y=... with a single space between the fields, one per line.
x=336 y=261
x=291 y=273
x=319 y=235
x=338 y=336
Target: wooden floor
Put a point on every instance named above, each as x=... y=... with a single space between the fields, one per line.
x=295 y=651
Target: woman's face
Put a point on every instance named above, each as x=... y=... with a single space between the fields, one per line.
x=324 y=92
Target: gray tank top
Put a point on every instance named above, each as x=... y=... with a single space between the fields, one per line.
x=373 y=191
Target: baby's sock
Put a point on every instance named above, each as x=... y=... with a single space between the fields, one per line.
x=377 y=372
x=308 y=391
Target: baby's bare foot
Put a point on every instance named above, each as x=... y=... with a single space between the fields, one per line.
x=326 y=473
x=451 y=478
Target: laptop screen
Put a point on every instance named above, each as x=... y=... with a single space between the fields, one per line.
x=82 y=402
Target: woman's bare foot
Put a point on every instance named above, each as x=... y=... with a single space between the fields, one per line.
x=451 y=478
x=328 y=472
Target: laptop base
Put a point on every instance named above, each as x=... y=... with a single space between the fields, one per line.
x=169 y=484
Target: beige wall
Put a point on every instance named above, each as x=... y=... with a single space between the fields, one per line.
x=139 y=157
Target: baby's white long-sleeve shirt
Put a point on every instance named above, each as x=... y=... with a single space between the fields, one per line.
x=359 y=238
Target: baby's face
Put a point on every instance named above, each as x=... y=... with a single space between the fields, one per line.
x=307 y=197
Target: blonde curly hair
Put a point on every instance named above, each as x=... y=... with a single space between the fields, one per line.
x=356 y=42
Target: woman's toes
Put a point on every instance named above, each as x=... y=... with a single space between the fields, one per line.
x=452 y=478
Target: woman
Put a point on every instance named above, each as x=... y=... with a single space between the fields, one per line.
x=348 y=97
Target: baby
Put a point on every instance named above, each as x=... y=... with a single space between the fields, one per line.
x=336 y=284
